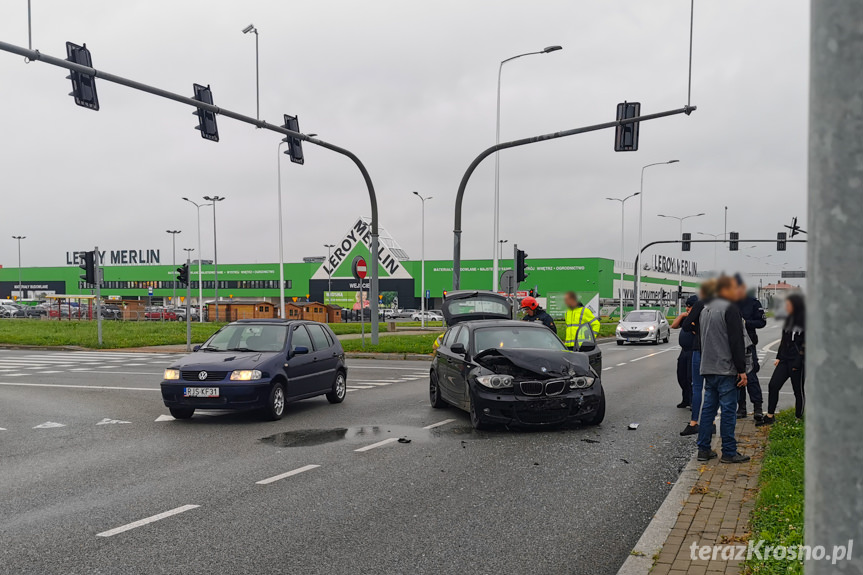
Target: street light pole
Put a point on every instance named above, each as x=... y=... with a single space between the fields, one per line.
x=213 y=200
x=495 y=265
x=188 y=300
x=680 y=263
x=423 y=257
x=714 y=236
x=622 y=226
x=246 y=30
x=501 y=242
x=174 y=262
x=641 y=227
x=281 y=241
x=20 y=281
x=329 y=270
x=200 y=276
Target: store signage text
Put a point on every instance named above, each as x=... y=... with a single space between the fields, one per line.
x=118 y=257
x=677 y=266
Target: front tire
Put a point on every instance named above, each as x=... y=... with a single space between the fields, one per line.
x=276 y=403
x=182 y=412
x=476 y=419
x=340 y=389
x=435 y=398
x=619 y=342
x=599 y=415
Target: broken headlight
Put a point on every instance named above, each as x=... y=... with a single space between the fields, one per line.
x=581 y=382
x=495 y=381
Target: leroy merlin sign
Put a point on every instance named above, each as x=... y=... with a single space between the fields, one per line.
x=357 y=242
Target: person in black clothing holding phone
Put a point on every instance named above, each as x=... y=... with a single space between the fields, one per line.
x=684 y=359
x=789 y=359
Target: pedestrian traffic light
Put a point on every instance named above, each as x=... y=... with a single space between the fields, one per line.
x=780 y=241
x=206 y=118
x=183 y=274
x=687 y=245
x=83 y=85
x=733 y=244
x=295 y=145
x=88 y=264
x=520 y=266
x=626 y=135
x=679 y=293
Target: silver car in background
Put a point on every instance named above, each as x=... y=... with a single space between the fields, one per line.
x=643 y=326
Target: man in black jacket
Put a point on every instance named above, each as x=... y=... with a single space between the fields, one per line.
x=754 y=318
x=723 y=365
x=690 y=324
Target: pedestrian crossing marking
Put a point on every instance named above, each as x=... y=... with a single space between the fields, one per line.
x=49 y=425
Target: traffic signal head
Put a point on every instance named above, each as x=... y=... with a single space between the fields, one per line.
x=520 y=266
x=780 y=241
x=687 y=245
x=83 y=85
x=88 y=264
x=626 y=135
x=733 y=243
x=206 y=118
x=295 y=145
x=183 y=274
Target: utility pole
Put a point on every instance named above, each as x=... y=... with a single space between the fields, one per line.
x=213 y=200
x=20 y=281
x=329 y=270
x=833 y=456
x=188 y=297
x=98 y=263
x=622 y=227
x=423 y=262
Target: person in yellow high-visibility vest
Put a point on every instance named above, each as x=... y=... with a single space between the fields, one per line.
x=576 y=316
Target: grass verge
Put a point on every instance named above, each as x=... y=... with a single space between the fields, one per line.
x=778 y=514
x=115 y=334
x=394 y=344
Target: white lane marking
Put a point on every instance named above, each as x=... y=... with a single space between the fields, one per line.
x=607 y=368
x=2 y=429
x=72 y=386
x=164 y=418
x=374 y=383
x=146 y=521
x=296 y=471
x=439 y=423
x=378 y=444
x=382 y=367
x=13 y=375
x=349 y=390
x=49 y=425
x=354 y=387
x=44 y=372
x=109 y=421
x=769 y=346
x=119 y=372
x=108 y=366
x=619 y=364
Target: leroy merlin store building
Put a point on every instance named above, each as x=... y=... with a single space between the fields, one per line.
x=328 y=279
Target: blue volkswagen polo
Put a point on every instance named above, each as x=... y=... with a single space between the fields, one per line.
x=258 y=364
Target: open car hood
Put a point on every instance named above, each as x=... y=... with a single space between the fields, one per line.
x=543 y=362
x=474 y=305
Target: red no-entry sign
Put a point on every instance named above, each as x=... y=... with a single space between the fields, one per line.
x=359 y=268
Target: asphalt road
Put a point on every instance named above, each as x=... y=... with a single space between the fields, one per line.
x=96 y=477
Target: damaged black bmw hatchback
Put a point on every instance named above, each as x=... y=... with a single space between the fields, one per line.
x=507 y=372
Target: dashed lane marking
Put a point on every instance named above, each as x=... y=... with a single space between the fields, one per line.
x=49 y=425
x=439 y=423
x=296 y=471
x=619 y=364
x=109 y=421
x=607 y=368
x=72 y=386
x=147 y=521
x=378 y=444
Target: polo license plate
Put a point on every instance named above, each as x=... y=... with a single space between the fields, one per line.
x=200 y=392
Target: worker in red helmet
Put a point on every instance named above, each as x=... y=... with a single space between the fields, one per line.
x=533 y=312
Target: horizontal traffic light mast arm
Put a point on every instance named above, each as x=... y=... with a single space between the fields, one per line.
x=35 y=55
x=456 y=274
x=739 y=240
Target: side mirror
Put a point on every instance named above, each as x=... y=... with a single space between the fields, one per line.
x=458 y=349
x=196 y=348
x=300 y=350
x=587 y=346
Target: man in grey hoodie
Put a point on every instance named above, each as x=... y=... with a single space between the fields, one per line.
x=723 y=365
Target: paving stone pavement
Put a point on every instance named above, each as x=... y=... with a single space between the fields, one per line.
x=717 y=510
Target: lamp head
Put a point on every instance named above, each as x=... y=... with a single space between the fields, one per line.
x=249 y=28
x=550 y=49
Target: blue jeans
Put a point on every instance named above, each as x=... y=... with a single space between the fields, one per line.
x=720 y=391
x=697 y=384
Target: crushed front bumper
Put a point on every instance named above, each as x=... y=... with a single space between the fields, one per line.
x=516 y=409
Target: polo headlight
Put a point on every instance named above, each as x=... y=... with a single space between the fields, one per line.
x=245 y=375
x=171 y=374
x=581 y=382
x=495 y=381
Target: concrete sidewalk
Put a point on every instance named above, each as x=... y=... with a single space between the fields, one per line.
x=715 y=512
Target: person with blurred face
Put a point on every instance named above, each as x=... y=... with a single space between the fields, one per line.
x=723 y=365
x=690 y=324
x=684 y=358
x=577 y=314
x=789 y=359
x=534 y=312
x=754 y=319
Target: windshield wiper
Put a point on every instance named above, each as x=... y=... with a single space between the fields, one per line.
x=239 y=349
x=210 y=349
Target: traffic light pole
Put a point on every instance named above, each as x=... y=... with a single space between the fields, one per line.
x=188 y=305
x=456 y=263
x=98 y=295
x=637 y=294
x=35 y=55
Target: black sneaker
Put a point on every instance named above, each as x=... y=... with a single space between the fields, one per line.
x=683 y=405
x=690 y=430
x=704 y=455
x=759 y=414
x=741 y=412
x=766 y=420
x=736 y=458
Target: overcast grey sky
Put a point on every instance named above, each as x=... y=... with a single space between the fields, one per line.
x=410 y=88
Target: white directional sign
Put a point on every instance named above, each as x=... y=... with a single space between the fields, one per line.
x=49 y=425
x=109 y=421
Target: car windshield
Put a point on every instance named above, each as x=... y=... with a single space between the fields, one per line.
x=516 y=338
x=641 y=316
x=239 y=337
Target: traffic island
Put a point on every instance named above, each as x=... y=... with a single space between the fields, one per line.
x=725 y=510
